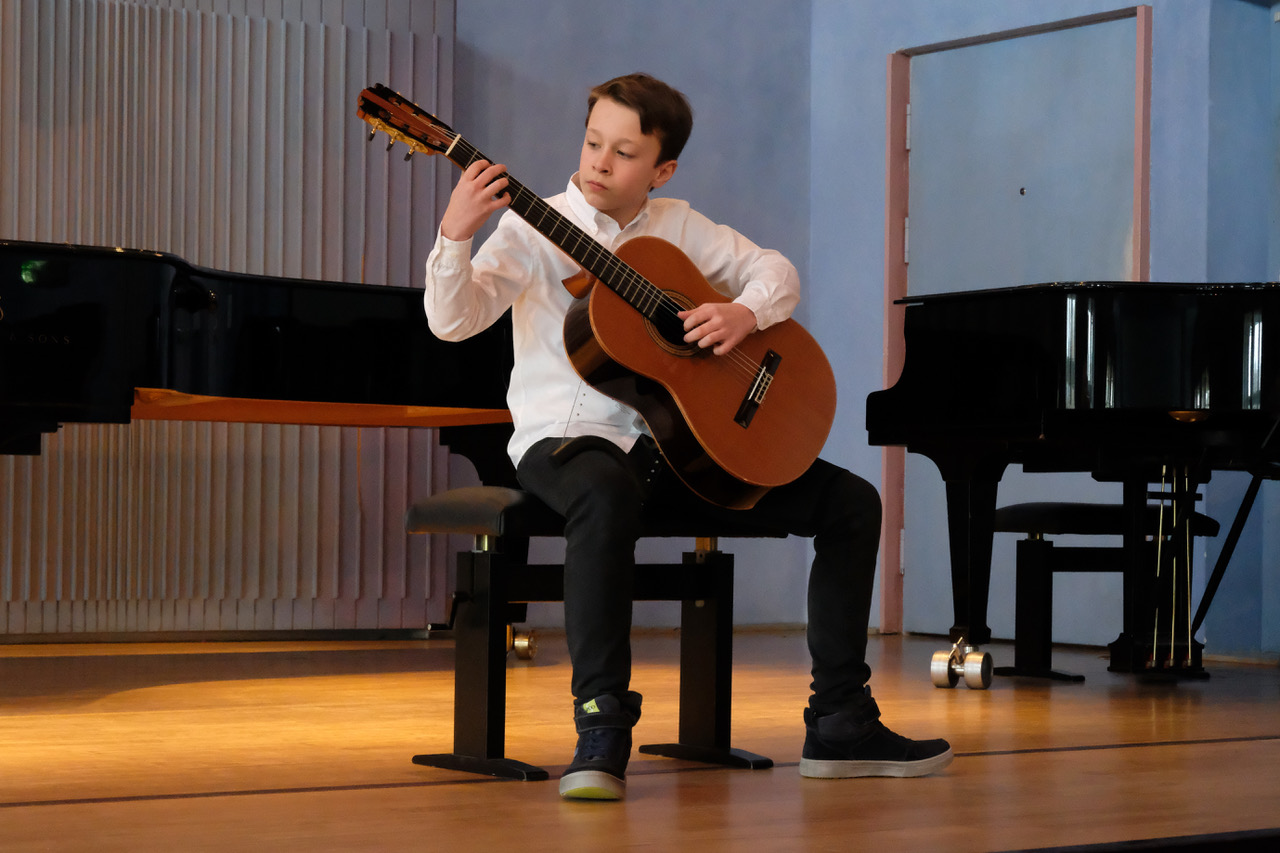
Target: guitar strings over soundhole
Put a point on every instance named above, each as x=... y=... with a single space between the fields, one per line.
x=667 y=330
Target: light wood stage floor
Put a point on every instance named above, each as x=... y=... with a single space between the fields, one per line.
x=307 y=746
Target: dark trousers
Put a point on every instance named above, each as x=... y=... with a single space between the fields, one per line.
x=603 y=493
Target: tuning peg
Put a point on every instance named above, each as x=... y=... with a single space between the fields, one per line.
x=408 y=154
x=390 y=142
x=373 y=131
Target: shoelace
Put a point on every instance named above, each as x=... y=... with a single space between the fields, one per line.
x=596 y=743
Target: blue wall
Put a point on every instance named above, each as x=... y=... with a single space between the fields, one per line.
x=1245 y=616
x=788 y=146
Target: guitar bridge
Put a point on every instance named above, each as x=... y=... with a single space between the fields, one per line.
x=754 y=399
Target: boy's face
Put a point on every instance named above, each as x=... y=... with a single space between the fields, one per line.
x=619 y=164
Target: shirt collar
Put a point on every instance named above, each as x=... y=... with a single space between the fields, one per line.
x=594 y=220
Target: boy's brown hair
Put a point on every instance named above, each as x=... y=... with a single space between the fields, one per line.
x=663 y=111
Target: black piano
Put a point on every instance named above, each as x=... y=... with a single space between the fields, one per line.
x=1129 y=381
x=101 y=335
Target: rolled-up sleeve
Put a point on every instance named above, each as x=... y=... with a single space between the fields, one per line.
x=761 y=279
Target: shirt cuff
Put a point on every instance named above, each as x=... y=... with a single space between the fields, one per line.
x=757 y=302
x=452 y=253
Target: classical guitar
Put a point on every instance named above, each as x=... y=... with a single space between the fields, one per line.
x=731 y=426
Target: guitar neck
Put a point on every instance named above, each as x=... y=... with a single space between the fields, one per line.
x=572 y=240
x=406 y=122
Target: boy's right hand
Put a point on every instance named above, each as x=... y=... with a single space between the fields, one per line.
x=478 y=193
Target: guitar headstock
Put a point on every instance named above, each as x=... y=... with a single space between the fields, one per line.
x=404 y=121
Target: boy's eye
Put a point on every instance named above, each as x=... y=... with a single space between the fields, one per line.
x=625 y=155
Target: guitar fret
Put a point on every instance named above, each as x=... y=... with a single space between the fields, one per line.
x=558 y=232
x=652 y=296
x=467 y=153
x=630 y=287
x=542 y=217
x=596 y=262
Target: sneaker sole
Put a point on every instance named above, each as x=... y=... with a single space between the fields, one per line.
x=814 y=768
x=592 y=785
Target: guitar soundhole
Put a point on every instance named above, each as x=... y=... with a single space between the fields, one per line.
x=666 y=329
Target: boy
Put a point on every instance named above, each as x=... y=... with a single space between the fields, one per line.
x=590 y=458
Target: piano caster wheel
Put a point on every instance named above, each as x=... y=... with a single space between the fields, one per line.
x=947 y=668
x=977 y=670
x=941 y=672
x=525 y=644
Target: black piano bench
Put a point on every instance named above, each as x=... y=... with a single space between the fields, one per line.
x=494 y=584
x=1037 y=560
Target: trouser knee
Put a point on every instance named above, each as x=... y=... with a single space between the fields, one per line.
x=851 y=506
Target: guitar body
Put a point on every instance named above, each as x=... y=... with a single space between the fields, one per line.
x=692 y=399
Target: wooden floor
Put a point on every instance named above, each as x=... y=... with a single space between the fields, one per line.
x=307 y=746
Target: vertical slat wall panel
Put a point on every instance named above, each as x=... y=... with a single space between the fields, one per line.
x=10 y=69
x=223 y=133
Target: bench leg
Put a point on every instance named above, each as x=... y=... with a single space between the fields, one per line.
x=480 y=650
x=1033 y=614
x=706 y=673
x=480 y=676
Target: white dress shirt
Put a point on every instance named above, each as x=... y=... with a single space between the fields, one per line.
x=520 y=269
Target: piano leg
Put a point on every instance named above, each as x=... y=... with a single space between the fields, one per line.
x=1156 y=638
x=971 y=506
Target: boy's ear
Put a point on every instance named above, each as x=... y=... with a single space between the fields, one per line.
x=665 y=171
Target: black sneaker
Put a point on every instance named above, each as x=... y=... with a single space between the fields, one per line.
x=856 y=743
x=599 y=767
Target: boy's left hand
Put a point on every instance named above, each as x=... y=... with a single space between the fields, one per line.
x=721 y=325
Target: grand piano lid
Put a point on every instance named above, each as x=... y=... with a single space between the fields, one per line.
x=84 y=250
x=42 y=251
x=1093 y=287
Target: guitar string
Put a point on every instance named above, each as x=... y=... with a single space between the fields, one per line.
x=654 y=299
x=646 y=297
x=655 y=304
x=758 y=380
x=642 y=294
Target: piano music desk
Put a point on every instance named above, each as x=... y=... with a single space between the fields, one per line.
x=160 y=404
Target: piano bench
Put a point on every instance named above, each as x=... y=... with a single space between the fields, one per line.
x=1037 y=559
x=495 y=582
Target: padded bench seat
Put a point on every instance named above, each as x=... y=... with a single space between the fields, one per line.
x=501 y=511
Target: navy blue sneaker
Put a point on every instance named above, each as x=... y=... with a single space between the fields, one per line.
x=599 y=767
x=856 y=743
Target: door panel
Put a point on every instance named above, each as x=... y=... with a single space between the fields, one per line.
x=1021 y=171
